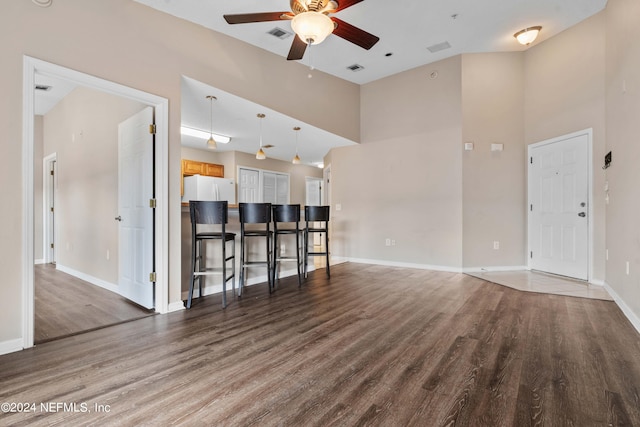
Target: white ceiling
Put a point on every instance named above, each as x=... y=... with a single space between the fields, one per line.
x=237 y=117
x=406 y=29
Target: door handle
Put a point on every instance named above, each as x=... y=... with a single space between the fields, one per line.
x=582 y=214
x=118 y=218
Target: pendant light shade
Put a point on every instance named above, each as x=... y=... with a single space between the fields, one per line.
x=260 y=154
x=296 y=158
x=211 y=143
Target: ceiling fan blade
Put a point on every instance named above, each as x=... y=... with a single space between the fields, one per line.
x=245 y=18
x=343 y=4
x=297 y=49
x=354 y=34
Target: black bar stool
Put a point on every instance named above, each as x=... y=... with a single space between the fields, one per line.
x=210 y=213
x=283 y=215
x=320 y=215
x=255 y=213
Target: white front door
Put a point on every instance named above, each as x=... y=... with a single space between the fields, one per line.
x=558 y=206
x=135 y=190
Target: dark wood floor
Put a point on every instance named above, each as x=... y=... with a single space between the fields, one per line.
x=373 y=346
x=66 y=305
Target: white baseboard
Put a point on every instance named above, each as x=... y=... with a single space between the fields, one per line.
x=335 y=259
x=38 y=261
x=11 y=346
x=494 y=268
x=175 y=306
x=633 y=317
x=88 y=278
x=217 y=288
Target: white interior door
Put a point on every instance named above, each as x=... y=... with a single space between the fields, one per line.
x=135 y=189
x=313 y=191
x=248 y=185
x=558 y=206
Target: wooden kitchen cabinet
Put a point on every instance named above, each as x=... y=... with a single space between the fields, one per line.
x=194 y=167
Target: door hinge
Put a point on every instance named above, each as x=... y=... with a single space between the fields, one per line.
x=51 y=208
x=531 y=208
x=152 y=276
x=152 y=203
x=52 y=246
x=152 y=128
x=531 y=254
x=52 y=172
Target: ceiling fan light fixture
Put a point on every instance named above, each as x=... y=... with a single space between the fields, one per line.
x=312 y=27
x=528 y=35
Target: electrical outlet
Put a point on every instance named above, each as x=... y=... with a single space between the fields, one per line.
x=496 y=244
x=108 y=255
x=387 y=242
x=393 y=242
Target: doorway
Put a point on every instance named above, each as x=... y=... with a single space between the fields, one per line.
x=559 y=208
x=160 y=176
x=49 y=211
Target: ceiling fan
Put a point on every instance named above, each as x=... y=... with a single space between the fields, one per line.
x=310 y=20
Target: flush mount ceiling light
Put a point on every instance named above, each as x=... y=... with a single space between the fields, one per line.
x=528 y=35
x=296 y=159
x=260 y=154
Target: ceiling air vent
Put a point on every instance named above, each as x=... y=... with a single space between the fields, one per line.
x=355 y=67
x=438 y=47
x=279 y=33
x=43 y=87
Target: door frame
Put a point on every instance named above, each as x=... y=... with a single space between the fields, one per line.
x=31 y=66
x=590 y=233
x=49 y=185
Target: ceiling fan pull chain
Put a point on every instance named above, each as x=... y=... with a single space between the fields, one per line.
x=310 y=58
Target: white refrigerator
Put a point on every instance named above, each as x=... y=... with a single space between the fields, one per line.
x=198 y=187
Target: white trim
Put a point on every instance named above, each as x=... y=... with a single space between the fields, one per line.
x=589 y=133
x=89 y=279
x=46 y=198
x=495 y=268
x=161 y=108
x=626 y=310
x=175 y=306
x=337 y=259
x=10 y=346
x=28 y=122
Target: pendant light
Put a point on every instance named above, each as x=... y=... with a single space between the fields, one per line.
x=296 y=159
x=211 y=143
x=260 y=154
